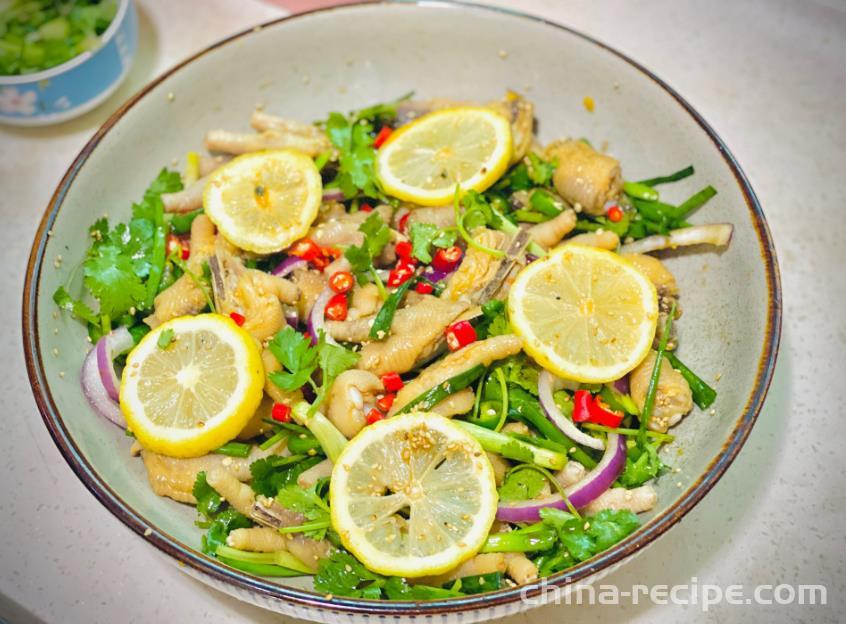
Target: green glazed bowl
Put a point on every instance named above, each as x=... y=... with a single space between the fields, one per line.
x=305 y=66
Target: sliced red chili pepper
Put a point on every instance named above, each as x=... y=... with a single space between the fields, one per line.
x=424 y=288
x=373 y=416
x=582 y=401
x=341 y=281
x=238 y=318
x=306 y=249
x=460 y=335
x=615 y=214
x=366 y=208
x=403 y=249
x=447 y=259
x=392 y=382
x=336 y=308
x=386 y=402
x=402 y=224
x=280 y=412
x=185 y=254
x=400 y=274
x=382 y=136
x=601 y=414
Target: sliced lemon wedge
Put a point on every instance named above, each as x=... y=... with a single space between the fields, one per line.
x=423 y=161
x=413 y=495
x=191 y=385
x=264 y=201
x=585 y=314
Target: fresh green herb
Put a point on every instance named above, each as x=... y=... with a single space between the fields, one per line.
x=77 y=308
x=494 y=320
x=545 y=203
x=521 y=485
x=341 y=574
x=438 y=393
x=287 y=563
x=333 y=360
x=673 y=177
x=657 y=435
x=509 y=447
x=303 y=444
x=38 y=34
x=376 y=235
x=299 y=359
x=424 y=236
x=582 y=538
x=642 y=461
x=224 y=523
x=694 y=202
x=640 y=190
x=181 y=223
x=331 y=440
x=203 y=281
x=618 y=401
x=234 y=449
x=652 y=388
x=530 y=172
x=165 y=338
x=533 y=538
x=477 y=213
x=381 y=327
x=271 y=474
x=308 y=503
x=352 y=136
x=209 y=502
x=480 y=583
x=703 y=394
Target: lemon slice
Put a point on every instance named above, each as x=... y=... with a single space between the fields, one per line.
x=413 y=495
x=586 y=314
x=423 y=161
x=191 y=385
x=264 y=201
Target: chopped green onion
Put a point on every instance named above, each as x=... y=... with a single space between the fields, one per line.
x=438 y=393
x=382 y=323
x=331 y=440
x=280 y=558
x=459 y=222
x=532 y=538
x=697 y=200
x=673 y=177
x=273 y=440
x=640 y=190
x=317 y=525
x=652 y=389
x=503 y=386
x=703 y=394
x=507 y=446
x=663 y=437
x=543 y=202
x=234 y=449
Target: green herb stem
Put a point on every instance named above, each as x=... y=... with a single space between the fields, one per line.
x=438 y=393
x=703 y=394
x=234 y=449
x=673 y=177
x=507 y=446
x=652 y=389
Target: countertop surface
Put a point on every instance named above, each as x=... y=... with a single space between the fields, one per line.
x=768 y=75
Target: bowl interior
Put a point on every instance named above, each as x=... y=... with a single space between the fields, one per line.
x=307 y=66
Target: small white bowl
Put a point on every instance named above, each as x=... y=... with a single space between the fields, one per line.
x=76 y=86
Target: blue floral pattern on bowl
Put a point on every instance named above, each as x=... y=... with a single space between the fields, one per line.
x=75 y=87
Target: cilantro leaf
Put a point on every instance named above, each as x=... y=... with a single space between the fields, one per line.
x=270 y=474
x=426 y=235
x=521 y=485
x=494 y=320
x=334 y=360
x=307 y=502
x=642 y=462
x=376 y=235
x=76 y=307
x=517 y=451
x=297 y=356
x=341 y=574
x=111 y=277
x=209 y=501
x=224 y=523
x=582 y=538
x=150 y=207
x=356 y=156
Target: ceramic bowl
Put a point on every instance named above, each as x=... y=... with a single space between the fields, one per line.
x=75 y=87
x=305 y=66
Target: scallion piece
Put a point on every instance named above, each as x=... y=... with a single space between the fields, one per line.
x=673 y=177
x=234 y=449
x=703 y=394
x=652 y=388
x=640 y=190
x=435 y=395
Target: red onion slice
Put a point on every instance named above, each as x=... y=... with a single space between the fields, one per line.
x=718 y=234
x=106 y=349
x=580 y=494
x=95 y=380
x=317 y=318
x=546 y=383
x=334 y=194
x=288 y=265
x=621 y=385
x=292 y=317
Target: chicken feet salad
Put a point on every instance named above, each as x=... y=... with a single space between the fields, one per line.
x=410 y=350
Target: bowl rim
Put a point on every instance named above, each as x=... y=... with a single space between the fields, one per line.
x=79 y=59
x=209 y=566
